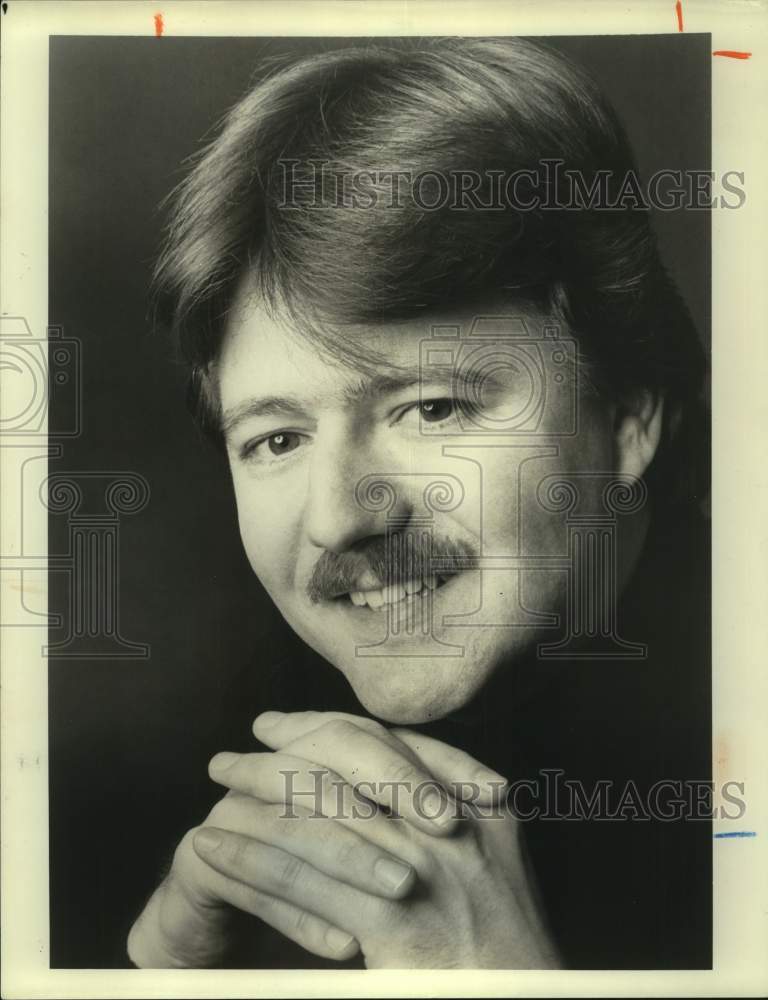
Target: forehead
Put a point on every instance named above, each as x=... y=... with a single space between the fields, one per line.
x=263 y=348
x=268 y=345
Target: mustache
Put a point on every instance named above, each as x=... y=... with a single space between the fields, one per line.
x=391 y=559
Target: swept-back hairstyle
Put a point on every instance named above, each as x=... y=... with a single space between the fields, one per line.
x=437 y=106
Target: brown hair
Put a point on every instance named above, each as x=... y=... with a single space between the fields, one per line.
x=431 y=108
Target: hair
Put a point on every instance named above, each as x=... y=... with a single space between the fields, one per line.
x=436 y=106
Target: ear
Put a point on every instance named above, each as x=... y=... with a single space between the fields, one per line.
x=637 y=431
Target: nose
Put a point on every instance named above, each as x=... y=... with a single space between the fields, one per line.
x=334 y=517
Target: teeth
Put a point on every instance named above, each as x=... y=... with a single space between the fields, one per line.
x=376 y=599
x=393 y=593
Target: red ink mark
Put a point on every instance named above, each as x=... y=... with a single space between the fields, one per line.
x=679 y=12
x=732 y=55
x=158 y=25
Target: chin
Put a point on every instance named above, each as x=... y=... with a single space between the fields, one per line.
x=410 y=690
x=412 y=683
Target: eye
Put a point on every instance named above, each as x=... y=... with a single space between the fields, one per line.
x=270 y=448
x=283 y=442
x=432 y=411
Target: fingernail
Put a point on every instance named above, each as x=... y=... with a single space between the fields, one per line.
x=222 y=761
x=207 y=841
x=268 y=719
x=391 y=874
x=338 y=940
x=436 y=809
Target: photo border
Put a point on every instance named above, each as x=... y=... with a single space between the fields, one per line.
x=740 y=539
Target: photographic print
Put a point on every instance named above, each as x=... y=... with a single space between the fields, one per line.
x=366 y=427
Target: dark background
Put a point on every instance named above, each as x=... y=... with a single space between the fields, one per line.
x=130 y=739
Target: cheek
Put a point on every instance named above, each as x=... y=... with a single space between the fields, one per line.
x=266 y=530
x=515 y=518
x=582 y=465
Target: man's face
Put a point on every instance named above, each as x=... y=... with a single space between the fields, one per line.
x=332 y=467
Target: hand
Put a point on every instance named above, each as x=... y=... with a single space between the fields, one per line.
x=188 y=922
x=474 y=904
x=302 y=859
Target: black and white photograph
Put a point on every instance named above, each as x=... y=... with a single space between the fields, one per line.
x=366 y=422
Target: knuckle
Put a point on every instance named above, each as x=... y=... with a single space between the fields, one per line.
x=416 y=854
x=348 y=853
x=388 y=914
x=339 y=729
x=292 y=824
x=309 y=716
x=403 y=736
x=375 y=728
x=261 y=904
x=301 y=923
x=403 y=772
x=288 y=872
x=329 y=785
x=321 y=777
x=237 y=853
x=282 y=827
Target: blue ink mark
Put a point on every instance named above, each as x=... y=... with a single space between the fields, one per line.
x=736 y=833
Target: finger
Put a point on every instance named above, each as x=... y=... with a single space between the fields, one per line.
x=267 y=869
x=286 y=778
x=330 y=847
x=283 y=779
x=307 y=929
x=277 y=729
x=457 y=771
x=386 y=771
x=180 y=928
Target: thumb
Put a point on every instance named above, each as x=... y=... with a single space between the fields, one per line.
x=175 y=931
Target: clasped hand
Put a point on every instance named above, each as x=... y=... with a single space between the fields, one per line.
x=350 y=836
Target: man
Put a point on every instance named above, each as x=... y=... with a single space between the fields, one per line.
x=462 y=416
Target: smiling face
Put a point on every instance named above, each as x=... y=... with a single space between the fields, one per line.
x=331 y=466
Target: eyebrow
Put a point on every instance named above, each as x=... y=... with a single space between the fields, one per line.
x=366 y=388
